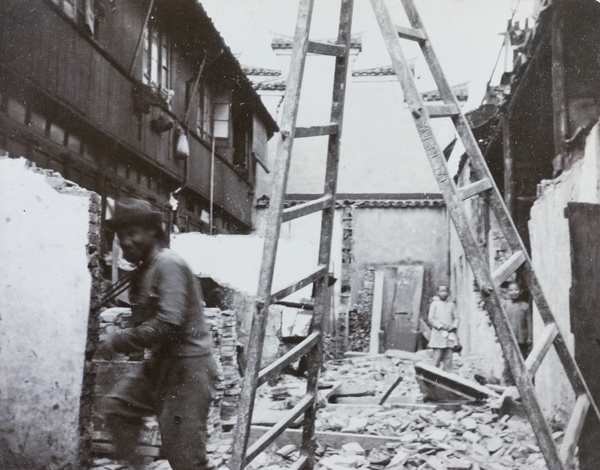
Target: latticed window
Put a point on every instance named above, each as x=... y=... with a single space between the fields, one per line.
x=205 y=111
x=222 y=112
x=156 y=57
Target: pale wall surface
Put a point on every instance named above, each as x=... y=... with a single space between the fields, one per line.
x=389 y=237
x=44 y=306
x=551 y=254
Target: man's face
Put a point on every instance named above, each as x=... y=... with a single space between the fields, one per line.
x=136 y=242
x=443 y=292
x=514 y=292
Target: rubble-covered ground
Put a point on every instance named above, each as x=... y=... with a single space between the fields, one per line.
x=422 y=435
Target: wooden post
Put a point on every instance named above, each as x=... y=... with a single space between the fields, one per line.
x=509 y=175
x=376 y=312
x=559 y=103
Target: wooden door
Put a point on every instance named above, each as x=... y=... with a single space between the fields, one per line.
x=584 y=227
x=403 y=292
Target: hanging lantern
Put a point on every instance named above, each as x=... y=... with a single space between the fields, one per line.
x=182 y=148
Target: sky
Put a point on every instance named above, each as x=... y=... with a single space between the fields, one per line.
x=465 y=34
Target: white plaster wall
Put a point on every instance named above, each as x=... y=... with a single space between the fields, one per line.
x=551 y=255
x=44 y=305
x=476 y=332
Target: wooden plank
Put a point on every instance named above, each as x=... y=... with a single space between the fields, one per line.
x=320 y=273
x=316 y=131
x=441 y=111
x=573 y=430
x=507 y=268
x=267 y=438
x=109 y=449
x=324 y=48
x=390 y=390
x=455 y=382
x=584 y=226
x=469 y=190
x=376 y=312
x=306 y=208
x=539 y=351
x=289 y=358
x=411 y=34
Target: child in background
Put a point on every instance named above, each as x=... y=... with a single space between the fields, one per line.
x=519 y=315
x=443 y=320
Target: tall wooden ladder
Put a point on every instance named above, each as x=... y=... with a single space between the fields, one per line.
x=311 y=346
x=522 y=370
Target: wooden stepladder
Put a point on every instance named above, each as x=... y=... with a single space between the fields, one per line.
x=522 y=370
x=311 y=346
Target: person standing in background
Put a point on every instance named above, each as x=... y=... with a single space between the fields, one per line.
x=443 y=320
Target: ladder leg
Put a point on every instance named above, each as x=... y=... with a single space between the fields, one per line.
x=323 y=296
x=284 y=151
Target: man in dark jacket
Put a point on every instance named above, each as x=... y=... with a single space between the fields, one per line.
x=176 y=381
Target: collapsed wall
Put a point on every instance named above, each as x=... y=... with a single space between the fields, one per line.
x=46 y=246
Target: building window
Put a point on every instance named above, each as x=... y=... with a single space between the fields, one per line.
x=156 y=57
x=222 y=108
x=205 y=111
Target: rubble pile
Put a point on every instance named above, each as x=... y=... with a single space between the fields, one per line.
x=223 y=323
x=354 y=433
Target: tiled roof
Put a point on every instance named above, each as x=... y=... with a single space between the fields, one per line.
x=406 y=203
x=461 y=91
x=275 y=85
x=386 y=204
x=286 y=43
x=261 y=72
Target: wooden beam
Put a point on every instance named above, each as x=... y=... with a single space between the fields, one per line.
x=289 y=290
x=306 y=208
x=539 y=351
x=288 y=358
x=326 y=438
x=267 y=438
x=441 y=111
x=316 y=131
x=412 y=34
x=469 y=190
x=559 y=89
x=508 y=267
x=573 y=430
x=324 y=48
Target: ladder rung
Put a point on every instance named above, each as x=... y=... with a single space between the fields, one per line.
x=307 y=208
x=472 y=189
x=288 y=358
x=508 y=267
x=267 y=438
x=442 y=111
x=542 y=345
x=411 y=33
x=325 y=48
x=283 y=293
x=573 y=430
x=316 y=131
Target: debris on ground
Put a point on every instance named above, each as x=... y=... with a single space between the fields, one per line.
x=422 y=435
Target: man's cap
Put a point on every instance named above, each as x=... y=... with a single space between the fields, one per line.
x=130 y=211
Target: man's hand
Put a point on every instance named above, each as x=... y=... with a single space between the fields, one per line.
x=105 y=348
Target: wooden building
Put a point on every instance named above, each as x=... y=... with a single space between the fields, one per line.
x=108 y=93
x=540 y=135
